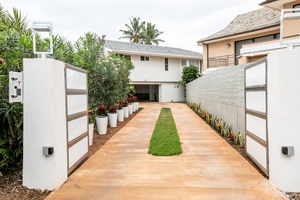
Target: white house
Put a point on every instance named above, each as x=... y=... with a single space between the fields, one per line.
x=158 y=69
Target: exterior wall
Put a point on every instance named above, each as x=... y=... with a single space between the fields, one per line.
x=171 y=92
x=219 y=48
x=291 y=27
x=154 y=69
x=283 y=117
x=205 y=56
x=222 y=94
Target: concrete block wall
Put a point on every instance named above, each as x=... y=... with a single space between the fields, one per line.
x=221 y=93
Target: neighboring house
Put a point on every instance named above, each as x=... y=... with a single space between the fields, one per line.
x=158 y=69
x=224 y=47
x=290 y=29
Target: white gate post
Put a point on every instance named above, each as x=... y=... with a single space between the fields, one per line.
x=283 y=118
x=44 y=124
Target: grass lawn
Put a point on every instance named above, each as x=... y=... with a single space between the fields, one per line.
x=165 y=140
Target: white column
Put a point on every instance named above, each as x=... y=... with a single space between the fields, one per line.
x=283 y=118
x=44 y=124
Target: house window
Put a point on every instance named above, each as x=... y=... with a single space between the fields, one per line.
x=195 y=63
x=183 y=63
x=127 y=57
x=144 y=58
x=166 y=64
x=296 y=6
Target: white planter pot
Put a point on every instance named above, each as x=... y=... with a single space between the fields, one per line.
x=136 y=106
x=102 y=124
x=120 y=115
x=133 y=107
x=126 y=111
x=112 y=119
x=130 y=108
x=91 y=132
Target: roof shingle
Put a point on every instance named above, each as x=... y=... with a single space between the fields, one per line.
x=151 y=49
x=246 y=22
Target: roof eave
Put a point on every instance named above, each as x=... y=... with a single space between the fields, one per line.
x=199 y=42
x=153 y=54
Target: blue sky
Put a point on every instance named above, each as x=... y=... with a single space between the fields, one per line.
x=183 y=22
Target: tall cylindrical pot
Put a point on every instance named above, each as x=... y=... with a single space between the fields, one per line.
x=91 y=132
x=120 y=115
x=102 y=124
x=112 y=119
x=130 y=108
x=126 y=111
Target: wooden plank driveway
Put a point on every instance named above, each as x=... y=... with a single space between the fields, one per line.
x=209 y=168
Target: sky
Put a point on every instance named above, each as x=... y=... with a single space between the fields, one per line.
x=183 y=22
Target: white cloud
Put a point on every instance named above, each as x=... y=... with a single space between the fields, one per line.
x=183 y=22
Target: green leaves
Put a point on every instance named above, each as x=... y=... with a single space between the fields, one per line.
x=141 y=32
x=189 y=74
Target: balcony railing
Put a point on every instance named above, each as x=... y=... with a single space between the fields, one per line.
x=221 y=61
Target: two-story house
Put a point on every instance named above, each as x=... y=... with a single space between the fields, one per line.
x=253 y=35
x=289 y=26
x=158 y=69
x=224 y=47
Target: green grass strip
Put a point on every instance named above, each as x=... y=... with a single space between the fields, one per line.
x=165 y=140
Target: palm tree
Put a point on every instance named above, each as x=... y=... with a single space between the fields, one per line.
x=134 y=30
x=150 y=34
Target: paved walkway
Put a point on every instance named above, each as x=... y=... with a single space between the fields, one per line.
x=209 y=168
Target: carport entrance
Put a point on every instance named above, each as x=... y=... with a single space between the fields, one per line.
x=147 y=92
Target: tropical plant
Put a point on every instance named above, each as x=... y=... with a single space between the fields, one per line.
x=141 y=32
x=15 y=44
x=101 y=111
x=150 y=34
x=112 y=109
x=134 y=30
x=189 y=73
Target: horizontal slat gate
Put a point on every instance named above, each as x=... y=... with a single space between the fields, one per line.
x=256 y=114
x=77 y=117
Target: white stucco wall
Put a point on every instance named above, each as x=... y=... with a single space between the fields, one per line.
x=171 y=92
x=154 y=69
x=44 y=124
x=283 y=118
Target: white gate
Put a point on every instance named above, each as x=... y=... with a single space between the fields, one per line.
x=256 y=114
x=77 y=118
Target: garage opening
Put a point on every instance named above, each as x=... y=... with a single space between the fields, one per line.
x=146 y=92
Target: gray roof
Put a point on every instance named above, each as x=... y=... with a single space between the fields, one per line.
x=133 y=48
x=248 y=22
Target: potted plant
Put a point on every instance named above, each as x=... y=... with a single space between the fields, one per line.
x=125 y=108
x=92 y=118
x=134 y=103
x=101 y=120
x=112 y=116
x=130 y=105
x=120 y=111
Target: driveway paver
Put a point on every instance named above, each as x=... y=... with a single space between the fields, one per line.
x=209 y=168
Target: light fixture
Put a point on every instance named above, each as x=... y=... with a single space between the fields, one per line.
x=227 y=44
x=42 y=28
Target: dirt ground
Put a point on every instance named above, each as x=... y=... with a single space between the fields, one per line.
x=11 y=182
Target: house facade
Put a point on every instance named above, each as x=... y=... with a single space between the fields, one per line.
x=289 y=29
x=253 y=35
x=158 y=69
x=224 y=47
